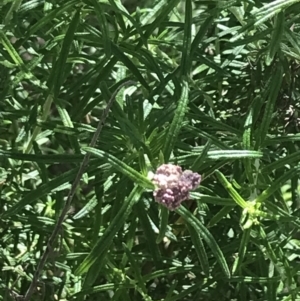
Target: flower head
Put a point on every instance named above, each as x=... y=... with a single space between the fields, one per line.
x=173 y=185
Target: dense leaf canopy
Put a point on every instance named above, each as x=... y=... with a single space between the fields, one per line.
x=211 y=86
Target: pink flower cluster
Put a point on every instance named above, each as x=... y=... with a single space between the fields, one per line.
x=173 y=185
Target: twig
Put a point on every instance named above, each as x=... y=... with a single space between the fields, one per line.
x=71 y=194
x=14 y=294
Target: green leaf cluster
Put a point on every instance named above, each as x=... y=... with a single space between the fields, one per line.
x=213 y=88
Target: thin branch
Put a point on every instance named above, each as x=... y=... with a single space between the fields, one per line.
x=71 y=194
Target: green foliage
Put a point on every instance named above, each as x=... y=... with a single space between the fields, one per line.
x=211 y=86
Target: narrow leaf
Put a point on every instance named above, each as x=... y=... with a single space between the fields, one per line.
x=177 y=121
x=206 y=235
x=121 y=167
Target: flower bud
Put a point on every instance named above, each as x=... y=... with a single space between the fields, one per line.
x=173 y=185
